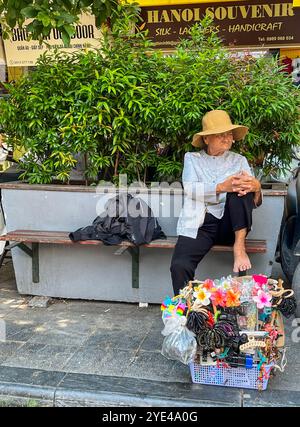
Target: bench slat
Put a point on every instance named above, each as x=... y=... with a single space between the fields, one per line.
x=62 y=238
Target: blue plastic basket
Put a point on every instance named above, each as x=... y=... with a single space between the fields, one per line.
x=230 y=377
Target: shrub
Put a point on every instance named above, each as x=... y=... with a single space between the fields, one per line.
x=127 y=108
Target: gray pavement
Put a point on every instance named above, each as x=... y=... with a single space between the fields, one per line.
x=91 y=353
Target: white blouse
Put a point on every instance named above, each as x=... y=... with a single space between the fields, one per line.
x=201 y=174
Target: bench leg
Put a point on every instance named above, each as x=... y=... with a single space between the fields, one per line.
x=34 y=254
x=35 y=263
x=4 y=254
x=135 y=256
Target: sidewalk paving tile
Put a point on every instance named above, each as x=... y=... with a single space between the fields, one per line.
x=29 y=377
x=118 y=339
x=127 y=391
x=8 y=349
x=152 y=365
x=153 y=341
x=19 y=332
x=41 y=356
x=99 y=360
x=271 y=398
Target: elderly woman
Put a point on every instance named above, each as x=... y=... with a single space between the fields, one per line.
x=220 y=194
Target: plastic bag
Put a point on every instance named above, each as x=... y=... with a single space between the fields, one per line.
x=173 y=323
x=180 y=345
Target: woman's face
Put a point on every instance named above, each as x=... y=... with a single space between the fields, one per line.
x=219 y=143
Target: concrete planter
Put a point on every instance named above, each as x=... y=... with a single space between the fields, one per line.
x=89 y=272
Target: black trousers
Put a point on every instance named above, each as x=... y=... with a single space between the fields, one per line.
x=189 y=252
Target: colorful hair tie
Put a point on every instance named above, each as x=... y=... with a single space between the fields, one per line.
x=166 y=303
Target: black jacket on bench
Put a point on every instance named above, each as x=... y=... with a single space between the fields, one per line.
x=117 y=223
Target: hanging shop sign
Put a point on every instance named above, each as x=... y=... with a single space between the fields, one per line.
x=20 y=52
x=172 y=2
x=251 y=23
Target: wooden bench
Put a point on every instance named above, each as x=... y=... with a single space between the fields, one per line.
x=20 y=238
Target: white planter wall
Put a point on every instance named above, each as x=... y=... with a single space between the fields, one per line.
x=92 y=272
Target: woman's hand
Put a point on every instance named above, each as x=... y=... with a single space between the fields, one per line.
x=226 y=186
x=241 y=184
x=245 y=183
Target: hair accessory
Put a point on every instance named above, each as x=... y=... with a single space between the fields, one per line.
x=187 y=293
x=181 y=309
x=260 y=279
x=265 y=314
x=252 y=343
x=171 y=306
x=196 y=321
x=202 y=295
x=284 y=293
x=285 y=301
x=287 y=306
x=263 y=299
x=262 y=358
x=218 y=336
x=166 y=303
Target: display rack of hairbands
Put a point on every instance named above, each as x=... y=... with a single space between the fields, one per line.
x=229 y=331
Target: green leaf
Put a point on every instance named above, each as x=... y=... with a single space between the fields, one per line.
x=29 y=12
x=65 y=37
x=69 y=29
x=100 y=16
x=67 y=17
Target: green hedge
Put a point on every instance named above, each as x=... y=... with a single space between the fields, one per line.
x=128 y=108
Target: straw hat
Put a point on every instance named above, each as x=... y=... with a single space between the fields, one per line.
x=218 y=121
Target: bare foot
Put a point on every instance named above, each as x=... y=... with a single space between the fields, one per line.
x=241 y=260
